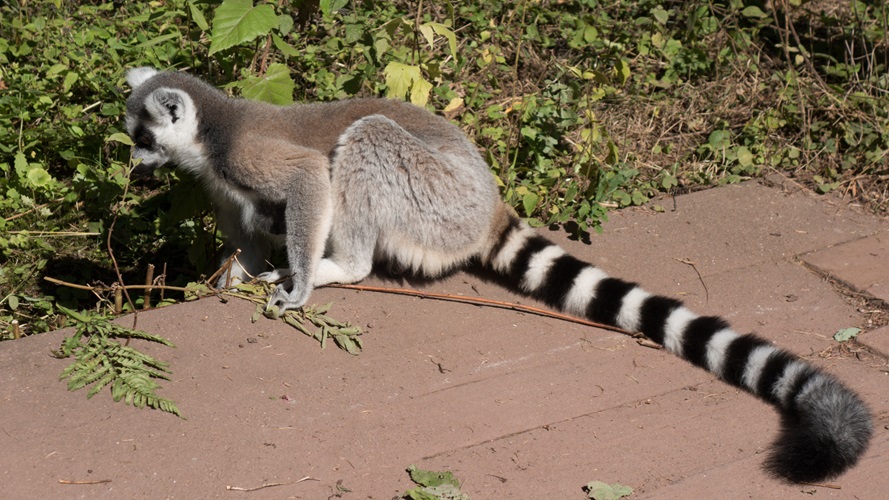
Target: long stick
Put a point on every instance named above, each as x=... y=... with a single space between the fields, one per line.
x=486 y=302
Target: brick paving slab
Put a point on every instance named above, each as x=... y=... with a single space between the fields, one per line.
x=877 y=339
x=518 y=406
x=862 y=264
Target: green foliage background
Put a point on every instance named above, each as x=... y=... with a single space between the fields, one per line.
x=578 y=106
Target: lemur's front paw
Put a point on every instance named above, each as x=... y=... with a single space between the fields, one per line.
x=284 y=300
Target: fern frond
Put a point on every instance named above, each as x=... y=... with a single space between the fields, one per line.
x=128 y=333
x=101 y=361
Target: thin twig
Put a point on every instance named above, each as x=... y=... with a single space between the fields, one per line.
x=149 y=282
x=70 y=481
x=270 y=485
x=26 y=212
x=123 y=197
x=54 y=233
x=700 y=278
x=110 y=288
x=485 y=302
x=225 y=268
x=825 y=485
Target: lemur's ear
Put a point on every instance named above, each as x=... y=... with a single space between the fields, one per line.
x=138 y=76
x=167 y=105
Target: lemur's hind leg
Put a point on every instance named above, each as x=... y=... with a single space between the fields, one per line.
x=395 y=200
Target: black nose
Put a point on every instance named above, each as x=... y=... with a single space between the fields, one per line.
x=144 y=169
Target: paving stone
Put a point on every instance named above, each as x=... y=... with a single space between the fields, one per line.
x=862 y=264
x=877 y=339
x=518 y=405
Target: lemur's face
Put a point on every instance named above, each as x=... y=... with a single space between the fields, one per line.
x=163 y=125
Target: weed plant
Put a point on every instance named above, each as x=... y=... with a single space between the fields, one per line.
x=578 y=107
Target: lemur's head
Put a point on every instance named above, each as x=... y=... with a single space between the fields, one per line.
x=162 y=120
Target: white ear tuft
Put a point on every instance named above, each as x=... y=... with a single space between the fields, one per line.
x=138 y=76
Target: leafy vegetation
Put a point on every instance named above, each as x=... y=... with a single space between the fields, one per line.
x=101 y=361
x=578 y=107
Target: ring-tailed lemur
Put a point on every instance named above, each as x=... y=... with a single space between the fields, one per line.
x=348 y=183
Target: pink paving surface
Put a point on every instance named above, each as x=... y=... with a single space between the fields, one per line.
x=515 y=405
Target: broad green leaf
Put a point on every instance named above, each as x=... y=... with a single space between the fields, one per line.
x=238 y=21
x=846 y=334
x=275 y=87
x=13 y=302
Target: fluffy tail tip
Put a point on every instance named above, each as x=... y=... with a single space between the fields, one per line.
x=825 y=432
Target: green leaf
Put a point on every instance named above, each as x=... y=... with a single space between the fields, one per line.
x=39 y=177
x=432 y=478
x=328 y=7
x=238 y=21
x=846 y=334
x=284 y=47
x=13 y=302
x=530 y=201
x=121 y=138
x=753 y=11
x=399 y=78
x=719 y=139
x=70 y=79
x=420 y=92
x=158 y=40
x=427 y=30
x=198 y=16
x=597 y=490
x=661 y=15
x=21 y=164
x=276 y=87
x=613 y=153
x=745 y=157
x=622 y=68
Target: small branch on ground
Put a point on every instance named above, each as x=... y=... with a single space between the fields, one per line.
x=484 y=302
x=69 y=481
x=270 y=485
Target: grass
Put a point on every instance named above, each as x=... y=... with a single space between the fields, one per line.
x=579 y=107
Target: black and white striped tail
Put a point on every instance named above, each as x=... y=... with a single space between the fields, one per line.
x=825 y=427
